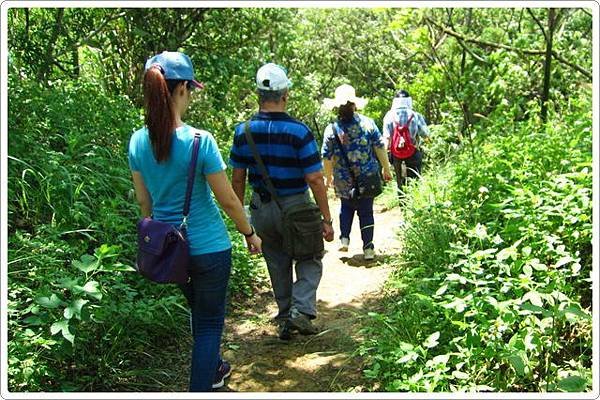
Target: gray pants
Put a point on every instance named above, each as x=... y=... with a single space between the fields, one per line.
x=300 y=295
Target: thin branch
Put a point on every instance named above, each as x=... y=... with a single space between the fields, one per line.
x=485 y=43
x=99 y=29
x=537 y=21
x=511 y=48
x=570 y=64
x=468 y=50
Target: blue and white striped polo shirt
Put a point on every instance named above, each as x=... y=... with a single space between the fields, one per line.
x=287 y=147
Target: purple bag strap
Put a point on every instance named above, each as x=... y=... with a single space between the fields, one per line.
x=190 y=179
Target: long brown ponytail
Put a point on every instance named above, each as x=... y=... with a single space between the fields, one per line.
x=160 y=118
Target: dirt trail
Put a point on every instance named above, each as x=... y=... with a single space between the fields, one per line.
x=349 y=289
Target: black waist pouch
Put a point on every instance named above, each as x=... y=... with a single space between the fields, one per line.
x=303 y=231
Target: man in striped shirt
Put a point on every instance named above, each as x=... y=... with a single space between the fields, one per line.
x=400 y=113
x=292 y=160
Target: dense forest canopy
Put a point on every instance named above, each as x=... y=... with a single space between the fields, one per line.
x=497 y=86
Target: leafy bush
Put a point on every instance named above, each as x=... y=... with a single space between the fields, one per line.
x=493 y=287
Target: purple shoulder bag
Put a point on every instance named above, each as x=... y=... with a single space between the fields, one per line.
x=163 y=252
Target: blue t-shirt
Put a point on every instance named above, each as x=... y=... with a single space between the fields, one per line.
x=287 y=147
x=166 y=182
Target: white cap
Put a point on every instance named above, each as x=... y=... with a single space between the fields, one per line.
x=404 y=102
x=344 y=94
x=272 y=77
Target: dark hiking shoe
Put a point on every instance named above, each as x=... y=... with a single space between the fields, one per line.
x=285 y=332
x=222 y=373
x=302 y=324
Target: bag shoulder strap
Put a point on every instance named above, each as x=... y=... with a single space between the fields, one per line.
x=259 y=162
x=407 y=122
x=190 y=179
x=344 y=155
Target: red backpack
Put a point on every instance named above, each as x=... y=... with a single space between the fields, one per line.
x=401 y=145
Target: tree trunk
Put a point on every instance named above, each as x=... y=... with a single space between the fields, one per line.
x=548 y=64
x=46 y=69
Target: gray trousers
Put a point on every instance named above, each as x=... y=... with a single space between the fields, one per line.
x=300 y=295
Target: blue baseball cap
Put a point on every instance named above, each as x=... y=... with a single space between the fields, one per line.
x=174 y=65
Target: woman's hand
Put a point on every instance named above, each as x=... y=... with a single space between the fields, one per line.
x=254 y=244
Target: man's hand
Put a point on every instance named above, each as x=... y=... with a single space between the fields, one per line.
x=327 y=231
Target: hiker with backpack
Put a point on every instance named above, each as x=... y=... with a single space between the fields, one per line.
x=353 y=152
x=403 y=130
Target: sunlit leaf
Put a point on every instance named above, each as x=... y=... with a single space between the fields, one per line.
x=49 y=302
x=432 y=340
x=517 y=363
x=573 y=383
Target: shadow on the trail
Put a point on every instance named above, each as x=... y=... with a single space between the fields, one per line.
x=358 y=260
x=325 y=362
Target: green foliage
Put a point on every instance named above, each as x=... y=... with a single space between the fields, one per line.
x=493 y=291
x=79 y=318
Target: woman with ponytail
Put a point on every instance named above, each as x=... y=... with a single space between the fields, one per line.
x=159 y=157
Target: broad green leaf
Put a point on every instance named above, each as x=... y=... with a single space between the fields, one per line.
x=74 y=309
x=68 y=283
x=563 y=261
x=537 y=265
x=458 y=305
x=87 y=264
x=535 y=309
x=404 y=346
x=441 y=290
x=487 y=253
x=58 y=326
x=576 y=310
x=460 y=375
x=517 y=363
x=63 y=327
x=33 y=320
x=407 y=357
x=573 y=383
x=49 y=302
x=456 y=277
x=460 y=324
x=91 y=288
x=533 y=297
x=506 y=253
x=441 y=359
x=432 y=340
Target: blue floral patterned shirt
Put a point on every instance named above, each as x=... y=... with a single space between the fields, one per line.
x=358 y=138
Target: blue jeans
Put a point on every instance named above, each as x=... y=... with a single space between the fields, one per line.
x=206 y=294
x=364 y=208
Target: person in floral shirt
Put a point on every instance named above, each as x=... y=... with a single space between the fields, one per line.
x=365 y=150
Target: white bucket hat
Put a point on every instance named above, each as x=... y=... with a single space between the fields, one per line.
x=344 y=94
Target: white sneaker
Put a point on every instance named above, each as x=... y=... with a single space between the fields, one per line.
x=344 y=243
x=369 y=254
